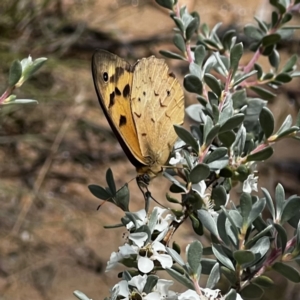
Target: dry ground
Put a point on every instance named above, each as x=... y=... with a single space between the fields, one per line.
x=52 y=236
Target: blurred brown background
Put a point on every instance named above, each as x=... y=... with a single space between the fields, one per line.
x=52 y=237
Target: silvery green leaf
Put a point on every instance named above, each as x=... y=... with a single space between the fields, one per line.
x=200 y=54
x=12 y=100
x=222 y=228
x=179 y=24
x=197 y=226
x=290 y=207
x=298 y=237
x=180 y=278
x=226 y=39
x=215 y=155
x=283 y=78
x=287 y=123
x=30 y=69
x=100 y=192
x=194 y=112
x=191 y=29
x=80 y=295
x=287 y=271
x=264 y=28
x=227 y=138
x=213 y=83
x=271 y=39
x=195 y=69
x=166 y=3
x=152 y=220
x=199 y=172
x=194 y=254
x=263 y=281
x=212 y=134
x=220 y=64
x=260 y=248
x=246 y=206
x=258 y=236
x=150 y=283
x=232 y=123
x=187 y=137
x=208 y=124
x=243 y=257
x=240 y=140
x=177 y=258
x=208 y=222
x=281 y=237
x=193 y=84
x=279 y=200
x=264 y=93
x=207 y=265
x=274 y=59
x=215 y=113
x=210 y=62
x=253 y=32
x=229 y=274
x=261 y=155
x=236 y=217
x=219 y=164
x=179 y=42
x=214 y=276
x=15 y=73
x=226 y=113
x=170 y=54
x=259 y=70
x=267 y=122
x=110 y=181
x=236 y=53
x=231 y=295
x=252 y=291
x=291 y=130
x=231 y=228
x=290 y=64
x=256 y=210
x=177 y=183
x=219 y=196
x=222 y=257
x=242 y=78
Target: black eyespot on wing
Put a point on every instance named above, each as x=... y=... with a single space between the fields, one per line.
x=122 y=121
x=111 y=100
x=139 y=99
x=171 y=74
x=105 y=77
x=126 y=90
x=168 y=93
x=117 y=91
x=144 y=93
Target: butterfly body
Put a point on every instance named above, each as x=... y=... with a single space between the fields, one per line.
x=141 y=102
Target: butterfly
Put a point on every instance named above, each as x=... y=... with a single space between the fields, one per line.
x=141 y=103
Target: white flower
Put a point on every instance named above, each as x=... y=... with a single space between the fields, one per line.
x=250 y=184
x=238 y=297
x=120 y=289
x=189 y=295
x=162 y=222
x=200 y=188
x=176 y=160
x=125 y=251
x=138 y=238
x=211 y=294
x=139 y=282
x=146 y=264
x=141 y=219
